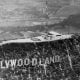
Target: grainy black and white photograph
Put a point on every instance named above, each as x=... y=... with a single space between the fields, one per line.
x=39 y=39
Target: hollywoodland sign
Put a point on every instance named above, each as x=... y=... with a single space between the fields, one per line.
x=49 y=60
x=4 y=64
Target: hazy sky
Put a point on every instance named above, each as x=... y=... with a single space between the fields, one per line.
x=24 y=12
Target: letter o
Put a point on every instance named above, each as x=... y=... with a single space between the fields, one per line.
x=20 y=62
x=26 y=61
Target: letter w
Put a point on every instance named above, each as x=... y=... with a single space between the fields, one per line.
x=13 y=63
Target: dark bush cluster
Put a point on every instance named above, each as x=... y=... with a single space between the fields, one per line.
x=67 y=69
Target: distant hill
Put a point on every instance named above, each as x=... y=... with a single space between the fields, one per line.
x=68 y=10
x=72 y=20
x=71 y=24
